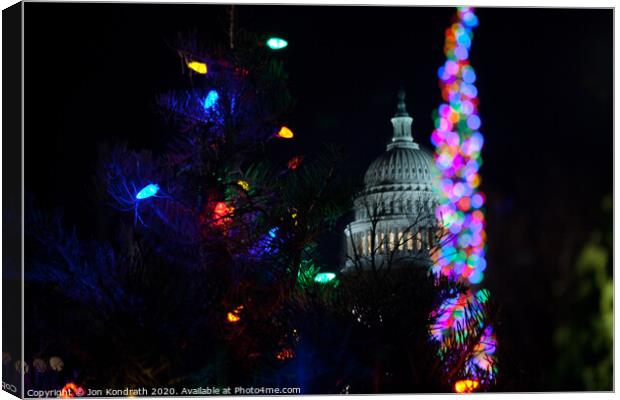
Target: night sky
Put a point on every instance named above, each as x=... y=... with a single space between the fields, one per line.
x=92 y=72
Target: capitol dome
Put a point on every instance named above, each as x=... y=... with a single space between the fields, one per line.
x=401 y=166
x=395 y=222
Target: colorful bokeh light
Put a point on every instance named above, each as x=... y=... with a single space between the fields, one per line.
x=457 y=318
x=458 y=143
x=461 y=255
x=483 y=357
x=451 y=315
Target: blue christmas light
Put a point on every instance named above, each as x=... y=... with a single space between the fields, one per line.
x=266 y=244
x=211 y=99
x=148 y=191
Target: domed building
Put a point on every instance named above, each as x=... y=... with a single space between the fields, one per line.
x=394 y=223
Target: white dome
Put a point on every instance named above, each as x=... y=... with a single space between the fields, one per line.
x=407 y=167
x=395 y=212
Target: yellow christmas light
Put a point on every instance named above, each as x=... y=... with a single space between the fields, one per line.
x=285 y=133
x=244 y=185
x=197 y=66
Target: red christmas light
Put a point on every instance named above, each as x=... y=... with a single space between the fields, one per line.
x=295 y=162
x=285 y=354
x=222 y=213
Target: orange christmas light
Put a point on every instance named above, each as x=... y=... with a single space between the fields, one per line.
x=233 y=316
x=71 y=390
x=466 y=386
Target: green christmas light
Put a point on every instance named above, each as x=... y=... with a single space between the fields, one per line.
x=324 y=277
x=276 y=43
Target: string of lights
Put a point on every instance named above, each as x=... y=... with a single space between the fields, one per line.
x=458 y=143
x=461 y=256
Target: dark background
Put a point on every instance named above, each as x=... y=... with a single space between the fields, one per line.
x=92 y=72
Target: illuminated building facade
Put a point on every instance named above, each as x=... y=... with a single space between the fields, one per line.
x=394 y=222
